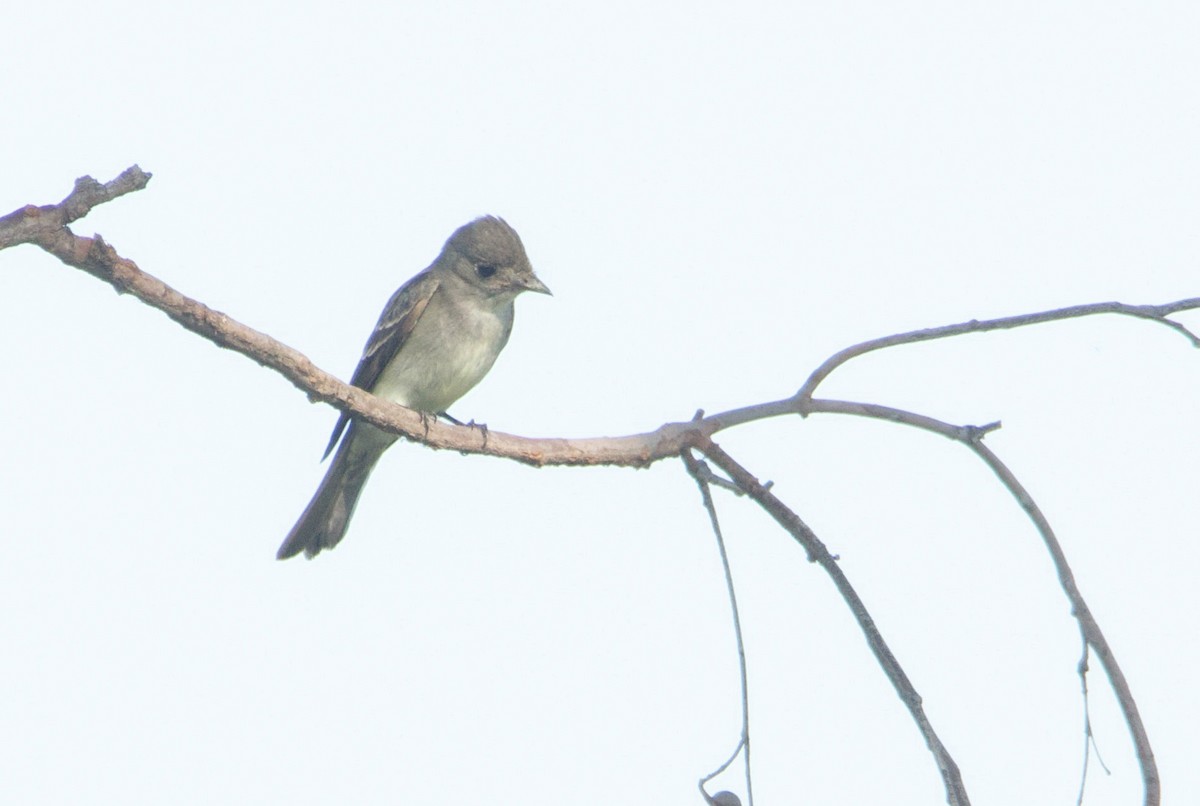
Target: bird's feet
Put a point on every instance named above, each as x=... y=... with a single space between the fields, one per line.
x=472 y=424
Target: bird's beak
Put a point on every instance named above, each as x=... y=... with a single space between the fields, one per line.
x=532 y=283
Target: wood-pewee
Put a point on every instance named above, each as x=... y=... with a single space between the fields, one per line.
x=437 y=338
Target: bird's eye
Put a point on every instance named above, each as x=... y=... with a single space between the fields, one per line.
x=485 y=270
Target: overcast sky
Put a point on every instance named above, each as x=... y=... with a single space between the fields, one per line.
x=719 y=199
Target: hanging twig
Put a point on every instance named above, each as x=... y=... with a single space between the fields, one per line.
x=704 y=476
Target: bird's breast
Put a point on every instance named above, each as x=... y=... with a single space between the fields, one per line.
x=449 y=351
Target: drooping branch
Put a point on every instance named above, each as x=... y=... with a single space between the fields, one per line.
x=972 y=437
x=1087 y=622
x=956 y=793
x=703 y=476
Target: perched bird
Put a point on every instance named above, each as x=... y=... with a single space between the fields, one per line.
x=437 y=338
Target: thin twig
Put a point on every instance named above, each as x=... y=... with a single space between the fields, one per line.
x=1154 y=313
x=702 y=474
x=1089 y=738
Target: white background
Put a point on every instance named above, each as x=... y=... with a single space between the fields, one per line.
x=719 y=199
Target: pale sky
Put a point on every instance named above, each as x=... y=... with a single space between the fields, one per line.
x=720 y=198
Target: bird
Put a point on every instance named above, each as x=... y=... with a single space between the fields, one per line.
x=437 y=337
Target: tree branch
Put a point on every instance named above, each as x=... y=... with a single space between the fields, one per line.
x=956 y=793
x=1155 y=313
x=1087 y=622
x=972 y=437
x=703 y=476
x=30 y=223
x=48 y=228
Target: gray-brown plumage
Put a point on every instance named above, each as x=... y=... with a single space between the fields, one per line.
x=437 y=337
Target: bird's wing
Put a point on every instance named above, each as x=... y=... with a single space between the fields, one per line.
x=395 y=325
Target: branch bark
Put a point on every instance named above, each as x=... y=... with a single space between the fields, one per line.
x=47 y=227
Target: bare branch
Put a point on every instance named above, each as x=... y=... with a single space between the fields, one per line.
x=956 y=793
x=958 y=433
x=1155 y=313
x=47 y=227
x=972 y=437
x=1089 y=738
x=1087 y=623
x=703 y=475
x=28 y=223
x=89 y=193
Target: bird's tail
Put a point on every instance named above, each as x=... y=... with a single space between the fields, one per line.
x=327 y=516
